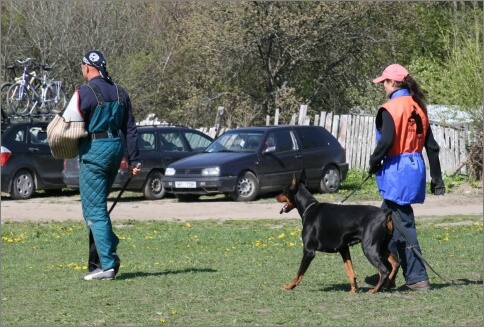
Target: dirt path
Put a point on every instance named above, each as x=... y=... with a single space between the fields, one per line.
x=69 y=208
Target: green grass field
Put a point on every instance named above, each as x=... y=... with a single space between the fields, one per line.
x=228 y=274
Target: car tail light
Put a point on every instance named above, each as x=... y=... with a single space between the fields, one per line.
x=6 y=154
x=124 y=164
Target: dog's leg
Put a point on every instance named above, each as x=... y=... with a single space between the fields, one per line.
x=395 y=264
x=345 y=254
x=308 y=256
x=390 y=258
x=374 y=254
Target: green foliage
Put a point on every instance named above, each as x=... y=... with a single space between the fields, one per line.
x=228 y=274
x=182 y=60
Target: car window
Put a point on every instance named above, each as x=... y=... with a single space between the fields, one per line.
x=172 y=141
x=235 y=141
x=38 y=135
x=312 y=138
x=282 y=140
x=146 y=141
x=19 y=136
x=198 y=142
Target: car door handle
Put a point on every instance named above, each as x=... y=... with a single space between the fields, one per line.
x=299 y=156
x=33 y=149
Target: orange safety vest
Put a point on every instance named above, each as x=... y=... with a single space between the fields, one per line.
x=410 y=135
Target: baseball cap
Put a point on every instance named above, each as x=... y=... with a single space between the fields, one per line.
x=394 y=72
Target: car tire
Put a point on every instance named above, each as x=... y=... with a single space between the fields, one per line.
x=23 y=186
x=246 y=188
x=330 y=181
x=153 y=188
x=187 y=197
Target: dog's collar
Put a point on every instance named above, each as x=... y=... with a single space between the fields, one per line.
x=309 y=206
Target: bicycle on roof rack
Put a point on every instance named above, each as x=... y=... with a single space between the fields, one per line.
x=34 y=94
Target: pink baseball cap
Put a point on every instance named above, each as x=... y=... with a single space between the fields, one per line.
x=395 y=72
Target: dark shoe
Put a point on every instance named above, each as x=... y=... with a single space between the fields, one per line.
x=420 y=286
x=117 y=263
x=373 y=280
x=99 y=274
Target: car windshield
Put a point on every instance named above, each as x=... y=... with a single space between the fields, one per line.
x=236 y=142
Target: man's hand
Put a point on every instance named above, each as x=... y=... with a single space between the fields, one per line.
x=134 y=169
x=437 y=187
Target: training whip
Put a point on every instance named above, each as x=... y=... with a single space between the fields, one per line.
x=138 y=165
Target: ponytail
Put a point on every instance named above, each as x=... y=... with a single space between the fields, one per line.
x=417 y=93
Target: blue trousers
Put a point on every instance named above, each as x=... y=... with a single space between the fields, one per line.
x=99 y=164
x=413 y=268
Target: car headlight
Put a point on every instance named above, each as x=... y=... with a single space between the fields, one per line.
x=170 y=171
x=212 y=171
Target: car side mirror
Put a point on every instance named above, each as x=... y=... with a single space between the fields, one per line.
x=270 y=149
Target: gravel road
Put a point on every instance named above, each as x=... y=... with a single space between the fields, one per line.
x=44 y=208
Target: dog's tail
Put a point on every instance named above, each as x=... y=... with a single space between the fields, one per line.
x=389 y=222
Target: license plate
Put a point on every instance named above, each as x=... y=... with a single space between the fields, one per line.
x=185 y=184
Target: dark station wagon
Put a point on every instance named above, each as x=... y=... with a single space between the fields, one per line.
x=246 y=162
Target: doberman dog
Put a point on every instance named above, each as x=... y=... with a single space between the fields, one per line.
x=334 y=228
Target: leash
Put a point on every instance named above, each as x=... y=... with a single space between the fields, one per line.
x=414 y=249
x=354 y=190
x=122 y=190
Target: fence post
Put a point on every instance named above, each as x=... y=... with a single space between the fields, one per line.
x=220 y=112
x=302 y=113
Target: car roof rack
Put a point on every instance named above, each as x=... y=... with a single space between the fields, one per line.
x=9 y=119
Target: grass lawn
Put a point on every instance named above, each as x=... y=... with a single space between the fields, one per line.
x=228 y=274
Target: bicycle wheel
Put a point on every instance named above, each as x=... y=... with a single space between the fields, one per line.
x=3 y=96
x=17 y=100
x=55 y=99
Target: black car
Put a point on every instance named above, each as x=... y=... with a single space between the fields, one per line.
x=26 y=161
x=159 y=146
x=246 y=162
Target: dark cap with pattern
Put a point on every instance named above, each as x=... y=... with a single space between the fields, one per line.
x=96 y=59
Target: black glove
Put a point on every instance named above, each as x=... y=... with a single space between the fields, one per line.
x=374 y=168
x=437 y=187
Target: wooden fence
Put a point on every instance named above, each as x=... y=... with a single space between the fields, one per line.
x=356 y=133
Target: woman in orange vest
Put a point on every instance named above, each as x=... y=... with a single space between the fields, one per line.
x=402 y=131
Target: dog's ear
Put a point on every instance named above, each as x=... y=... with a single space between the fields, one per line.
x=293 y=182
x=303 y=178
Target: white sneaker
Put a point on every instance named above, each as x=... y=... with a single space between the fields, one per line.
x=100 y=274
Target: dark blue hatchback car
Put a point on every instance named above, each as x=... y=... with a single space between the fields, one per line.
x=246 y=162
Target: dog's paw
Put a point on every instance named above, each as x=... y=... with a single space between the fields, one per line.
x=288 y=287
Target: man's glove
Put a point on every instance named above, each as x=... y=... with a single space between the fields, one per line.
x=374 y=167
x=437 y=187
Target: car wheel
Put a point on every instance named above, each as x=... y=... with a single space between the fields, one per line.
x=330 y=181
x=153 y=189
x=246 y=188
x=23 y=185
x=187 y=197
